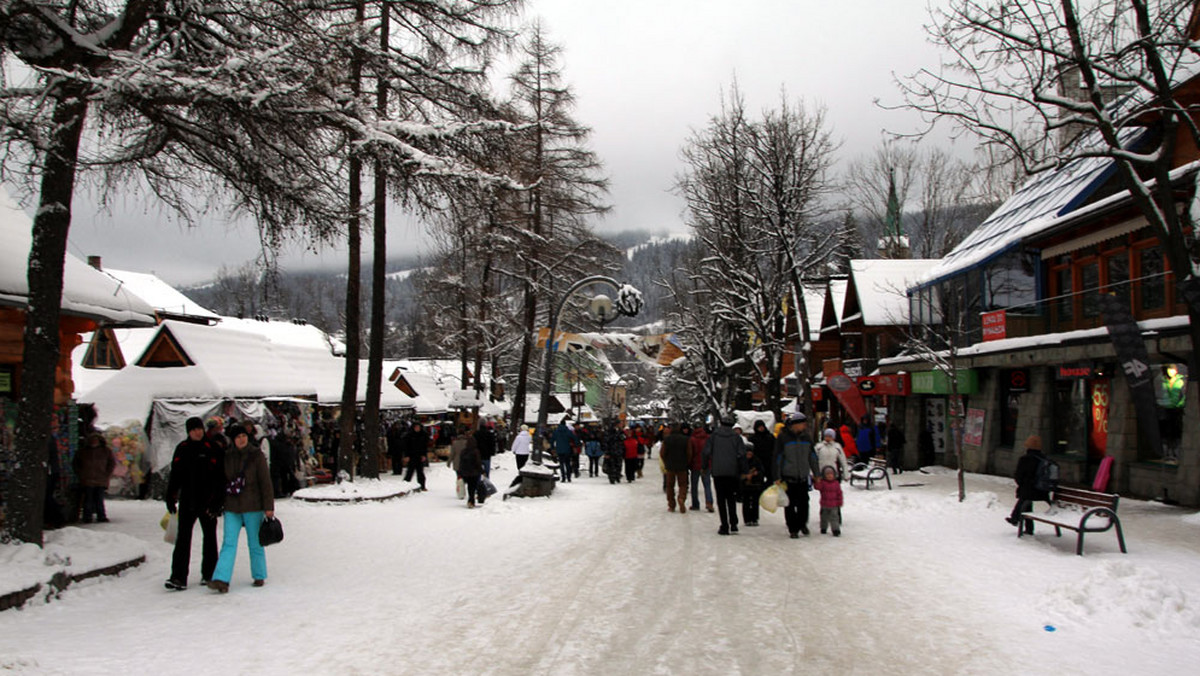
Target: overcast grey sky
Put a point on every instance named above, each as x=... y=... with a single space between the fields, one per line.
x=645 y=74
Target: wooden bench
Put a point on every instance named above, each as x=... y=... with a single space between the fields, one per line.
x=874 y=469
x=1073 y=508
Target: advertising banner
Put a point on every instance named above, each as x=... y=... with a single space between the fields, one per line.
x=846 y=391
x=1135 y=364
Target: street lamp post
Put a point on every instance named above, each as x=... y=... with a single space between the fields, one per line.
x=628 y=303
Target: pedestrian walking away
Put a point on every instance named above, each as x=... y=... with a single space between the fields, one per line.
x=700 y=470
x=565 y=440
x=631 y=456
x=675 y=456
x=725 y=453
x=522 y=446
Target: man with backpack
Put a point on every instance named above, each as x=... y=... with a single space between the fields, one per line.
x=1036 y=476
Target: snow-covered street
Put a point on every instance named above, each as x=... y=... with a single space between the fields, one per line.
x=601 y=579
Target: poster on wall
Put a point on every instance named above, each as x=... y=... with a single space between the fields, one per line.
x=935 y=419
x=973 y=434
x=1098 y=437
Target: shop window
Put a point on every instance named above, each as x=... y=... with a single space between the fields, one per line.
x=1064 y=307
x=1116 y=272
x=1089 y=282
x=1152 y=289
x=1171 y=389
x=1072 y=411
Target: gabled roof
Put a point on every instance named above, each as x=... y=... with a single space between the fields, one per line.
x=429 y=399
x=814 y=306
x=877 y=291
x=86 y=293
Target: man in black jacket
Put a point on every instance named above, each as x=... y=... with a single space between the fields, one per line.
x=416 y=448
x=197 y=488
x=1026 y=478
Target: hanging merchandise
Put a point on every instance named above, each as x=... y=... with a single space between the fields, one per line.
x=128 y=444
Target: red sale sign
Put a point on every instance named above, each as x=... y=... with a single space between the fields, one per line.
x=994 y=325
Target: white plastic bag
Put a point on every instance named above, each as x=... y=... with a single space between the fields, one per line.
x=783 y=498
x=769 y=499
x=460 y=489
x=170 y=524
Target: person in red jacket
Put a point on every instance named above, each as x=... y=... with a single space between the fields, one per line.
x=631 y=455
x=848 y=445
x=700 y=470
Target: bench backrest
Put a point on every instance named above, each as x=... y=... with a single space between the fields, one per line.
x=877 y=461
x=1086 y=498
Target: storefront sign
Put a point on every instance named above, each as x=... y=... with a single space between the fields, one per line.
x=937 y=382
x=995 y=325
x=973 y=434
x=893 y=384
x=818 y=394
x=1074 y=372
x=867 y=385
x=1017 y=380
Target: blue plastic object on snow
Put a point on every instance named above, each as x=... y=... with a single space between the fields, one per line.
x=1050 y=627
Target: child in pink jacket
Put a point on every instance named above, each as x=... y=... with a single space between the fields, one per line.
x=831 y=500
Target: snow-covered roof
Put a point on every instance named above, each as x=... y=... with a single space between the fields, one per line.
x=163 y=297
x=431 y=399
x=87 y=292
x=881 y=285
x=814 y=306
x=445 y=373
x=228 y=363
x=837 y=292
x=290 y=333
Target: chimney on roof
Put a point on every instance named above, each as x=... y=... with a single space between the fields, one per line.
x=94 y=261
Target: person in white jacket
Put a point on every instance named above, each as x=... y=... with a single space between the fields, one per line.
x=522 y=445
x=829 y=454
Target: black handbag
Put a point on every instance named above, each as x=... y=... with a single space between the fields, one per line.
x=270 y=532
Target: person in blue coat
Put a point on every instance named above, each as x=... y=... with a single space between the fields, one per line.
x=564 y=446
x=867 y=440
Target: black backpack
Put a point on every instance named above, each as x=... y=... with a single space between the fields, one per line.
x=1046 y=478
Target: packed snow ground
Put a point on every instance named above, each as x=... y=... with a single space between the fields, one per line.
x=601 y=579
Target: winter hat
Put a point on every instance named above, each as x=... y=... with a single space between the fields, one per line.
x=1034 y=442
x=194 y=423
x=796 y=417
x=236 y=431
x=829 y=433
